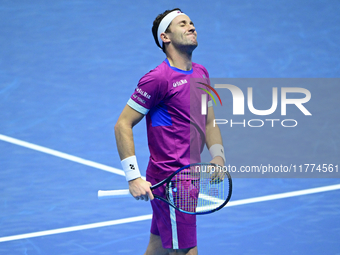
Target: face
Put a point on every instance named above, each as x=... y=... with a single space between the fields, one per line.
x=183 y=32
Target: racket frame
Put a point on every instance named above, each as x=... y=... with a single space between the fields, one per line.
x=167 y=181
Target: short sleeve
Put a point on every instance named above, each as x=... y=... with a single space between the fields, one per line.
x=149 y=92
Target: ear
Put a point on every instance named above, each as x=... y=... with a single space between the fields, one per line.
x=165 y=38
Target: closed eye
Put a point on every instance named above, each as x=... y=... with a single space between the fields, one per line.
x=184 y=22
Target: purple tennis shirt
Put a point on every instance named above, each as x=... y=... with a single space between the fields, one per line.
x=171 y=101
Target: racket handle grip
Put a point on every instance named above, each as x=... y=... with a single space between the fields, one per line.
x=113 y=193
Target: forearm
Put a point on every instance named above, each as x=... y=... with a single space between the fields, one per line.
x=139 y=188
x=124 y=140
x=214 y=139
x=213 y=135
x=215 y=145
x=123 y=132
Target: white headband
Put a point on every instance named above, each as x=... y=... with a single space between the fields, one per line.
x=165 y=23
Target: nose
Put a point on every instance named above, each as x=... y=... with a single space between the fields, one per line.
x=192 y=28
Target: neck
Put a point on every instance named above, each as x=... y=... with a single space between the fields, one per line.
x=180 y=60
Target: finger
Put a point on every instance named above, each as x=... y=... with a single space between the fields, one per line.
x=149 y=192
x=150 y=195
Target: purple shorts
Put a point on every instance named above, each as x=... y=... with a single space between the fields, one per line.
x=176 y=229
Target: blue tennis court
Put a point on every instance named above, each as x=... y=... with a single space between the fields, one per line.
x=67 y=69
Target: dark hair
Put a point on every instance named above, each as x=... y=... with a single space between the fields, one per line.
x=156 y=23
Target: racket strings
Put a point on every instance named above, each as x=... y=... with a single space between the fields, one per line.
x=185 y=192
x=199 y=189
x=212 y=192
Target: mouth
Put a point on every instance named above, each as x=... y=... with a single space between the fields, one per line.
x=191 y=34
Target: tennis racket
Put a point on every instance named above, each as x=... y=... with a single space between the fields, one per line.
x=199 y=188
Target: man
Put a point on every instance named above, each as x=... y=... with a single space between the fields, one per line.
x=164 y=96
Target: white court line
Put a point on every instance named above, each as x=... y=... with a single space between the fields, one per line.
x=284 y=195
x=76 y=228
x=211 y=199
x=147 y=217
x=61 y=155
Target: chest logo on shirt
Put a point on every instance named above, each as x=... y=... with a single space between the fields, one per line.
x=179 y=83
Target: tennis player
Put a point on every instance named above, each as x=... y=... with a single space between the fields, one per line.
x=165 y=97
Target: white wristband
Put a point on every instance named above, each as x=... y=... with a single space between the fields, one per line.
x=217 y=150
x=130 y=168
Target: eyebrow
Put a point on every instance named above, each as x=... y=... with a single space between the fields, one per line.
x=185 y=21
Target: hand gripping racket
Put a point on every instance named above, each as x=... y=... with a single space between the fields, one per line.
x=199 y=188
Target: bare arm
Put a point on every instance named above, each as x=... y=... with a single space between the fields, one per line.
x=213 y=135
x=123 y=131
x=139 y=188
